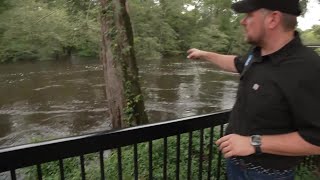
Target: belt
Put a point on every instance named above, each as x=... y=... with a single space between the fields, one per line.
x=249 y=166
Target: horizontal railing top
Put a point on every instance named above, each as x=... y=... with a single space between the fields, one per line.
x=314 y=46
x=37 y=153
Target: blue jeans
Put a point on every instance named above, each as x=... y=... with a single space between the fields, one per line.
x=240 y=172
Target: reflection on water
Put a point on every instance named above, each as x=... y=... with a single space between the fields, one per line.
x=47 y=100
x=176 y=88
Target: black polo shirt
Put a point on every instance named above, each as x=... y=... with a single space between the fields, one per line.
x=278 y=93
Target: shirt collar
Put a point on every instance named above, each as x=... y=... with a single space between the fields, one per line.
x=278 y=56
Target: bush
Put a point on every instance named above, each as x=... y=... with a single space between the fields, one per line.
x=157 y=159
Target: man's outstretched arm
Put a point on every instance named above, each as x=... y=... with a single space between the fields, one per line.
x=225 y=62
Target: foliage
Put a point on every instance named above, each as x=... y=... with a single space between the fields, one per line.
x=157 y=158
x=25 y=39
x=50 y=171
x=46 y=29
x=72 y=169
x=316 y=30
x=210 y=38
x=311 y=36
x=34 y=30
x=154 y=37
x=71 y=166
x=131 y=104
x=4 y=5
x=305 y=172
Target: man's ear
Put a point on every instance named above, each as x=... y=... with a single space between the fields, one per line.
x=274 y=19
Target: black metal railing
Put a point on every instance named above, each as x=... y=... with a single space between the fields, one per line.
x=177 y=149
x=313 y=45
x=178 y=133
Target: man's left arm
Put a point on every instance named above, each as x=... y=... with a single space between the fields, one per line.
x=291 y=144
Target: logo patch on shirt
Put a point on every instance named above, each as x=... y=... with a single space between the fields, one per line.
x=255 y=87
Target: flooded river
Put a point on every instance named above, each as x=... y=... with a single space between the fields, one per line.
x=54 y=99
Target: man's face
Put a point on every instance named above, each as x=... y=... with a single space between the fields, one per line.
x=254 y=26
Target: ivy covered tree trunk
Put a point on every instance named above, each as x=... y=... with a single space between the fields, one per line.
x=125 y=101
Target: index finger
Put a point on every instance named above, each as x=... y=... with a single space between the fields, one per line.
x=190 y=50
x=223 y=139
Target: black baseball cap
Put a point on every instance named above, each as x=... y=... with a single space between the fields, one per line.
x=285 y=6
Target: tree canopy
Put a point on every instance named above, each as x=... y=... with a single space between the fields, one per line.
x=32 y=29
x=46 y=29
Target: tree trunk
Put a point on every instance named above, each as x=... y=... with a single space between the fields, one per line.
x=126 y=105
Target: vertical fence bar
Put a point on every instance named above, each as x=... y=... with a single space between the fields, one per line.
x=39 y=172
x=178 y=158
x=220 y=155
x=299 y=167
x=304 y=162
x=189 y=155
x=165 y=147
x=101 y=165
x=310 y=161
x=225 y=175
x=83 y=171
x=201 y=154
x=210 y=152
x=135 y=158
x=150 y=160
x=119 y=164
x=13 y=175
x=317 y=161
x=307 y=162
x=61 y=169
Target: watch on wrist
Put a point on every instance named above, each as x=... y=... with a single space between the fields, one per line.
x=256 y=143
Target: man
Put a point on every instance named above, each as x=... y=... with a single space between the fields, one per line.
x=276 y=118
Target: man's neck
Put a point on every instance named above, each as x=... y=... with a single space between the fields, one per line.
x=275 y=42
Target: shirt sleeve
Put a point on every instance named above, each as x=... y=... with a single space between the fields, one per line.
x=239 y=63
x=304 y=100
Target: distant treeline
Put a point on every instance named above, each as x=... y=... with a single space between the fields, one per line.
x=46 y=29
